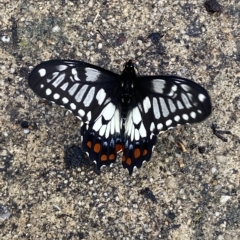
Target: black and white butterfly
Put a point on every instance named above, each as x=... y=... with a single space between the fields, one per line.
x=120 y=112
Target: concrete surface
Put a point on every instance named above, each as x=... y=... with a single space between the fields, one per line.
x=177 y=195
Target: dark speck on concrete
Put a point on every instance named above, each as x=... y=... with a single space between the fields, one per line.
x=213 y=6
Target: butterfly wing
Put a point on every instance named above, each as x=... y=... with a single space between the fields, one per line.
x=160 y=103
x=102 y=140
x=82 y=88
x=92 y=94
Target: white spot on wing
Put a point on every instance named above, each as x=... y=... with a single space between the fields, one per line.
x=48 y=91
x=61 y=67
x=185 y=117
x=132 y=133
x=186 y=101
x=108 y=111
x=42 y=72
x=179 y=104
x=56 y=96
x=171 y=105
x=164 y=108
x=174 y=88
x=168 y=122
x=107 y=132
x=129 y=123
x=81 y=113
x=176 y=118
x=92 y=74
x=64 y=86
x=159 y=126
x=117 y=121
x=158 y=85
x=97 y=125
x=137 y=136
x=185 y=87
x=146 y=104
x=54 y=75
x=107 y=101
x=201 y=97
x=136 y=115
x=73 y=106
x=101 y=96
x=89 y=115
x=65 y=100
x=102 y=130
x=193 y=114
x=59 y=79
x=190 y=96
x=90 y=95
x=156 y=108
x=142 y=131
x=73 y=89
x=152 y=127
x=81 y=93
x=75 y=74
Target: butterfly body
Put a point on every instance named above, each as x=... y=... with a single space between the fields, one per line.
x=120 y=112
x=127 y=79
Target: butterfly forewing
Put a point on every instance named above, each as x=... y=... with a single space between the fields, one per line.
x=168 y=101
x=82 y=88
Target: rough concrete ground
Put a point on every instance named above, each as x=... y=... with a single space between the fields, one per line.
x=177 y=195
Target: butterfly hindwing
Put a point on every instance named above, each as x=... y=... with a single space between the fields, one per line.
x=102 y=140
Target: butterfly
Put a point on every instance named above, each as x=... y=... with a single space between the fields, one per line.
x=120 y=112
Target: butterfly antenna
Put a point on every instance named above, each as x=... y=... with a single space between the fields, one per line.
x=144 y=51
x=154 y=43
x=109 y=44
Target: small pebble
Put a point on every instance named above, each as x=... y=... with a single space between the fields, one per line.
x=90 y=3
x=224 y=199
x=26 y=130
x=90 y=182
x=24 y=124
x=213 y=6
x=214 y=170
x=56 y=29
x=5 y=39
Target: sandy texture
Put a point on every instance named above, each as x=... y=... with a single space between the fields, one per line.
x=177 y=195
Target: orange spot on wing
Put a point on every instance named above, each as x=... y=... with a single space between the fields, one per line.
x=104 y=157
x=111 y=157
x=97 y=148
x=89 y=144
x=123 y=158
x=137 y=153
x=118 y=147
x=145 y=151
x=129 y=161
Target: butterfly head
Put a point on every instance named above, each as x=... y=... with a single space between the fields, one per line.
x=129 y=67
